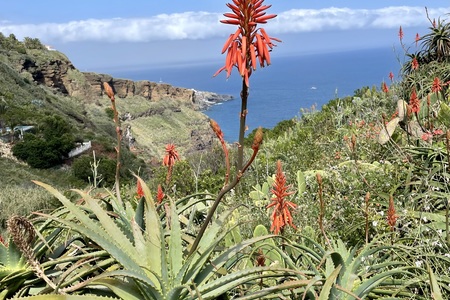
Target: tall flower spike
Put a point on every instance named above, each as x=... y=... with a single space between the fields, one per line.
x=414 y=102
x=400 y=33
x=281 y=215
x=384 y=87
x=414 y=64
x=108 y=90
x=391 y=215
x=160 y=194
x=437 y=85
x=391 y=76
x=139 y=190
x=169 y=160
x=248 y=44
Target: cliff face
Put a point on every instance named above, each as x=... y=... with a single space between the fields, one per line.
x=152 y=114
x=61 y=75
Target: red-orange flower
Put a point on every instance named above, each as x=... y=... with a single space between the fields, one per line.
x=414 y=64
x=391 y=215
x=2 y=241
x=384 y=87
x=437 y=85
x=414 y=102
x=169 y=160
x=281 y=215
x=417 y=38
x=391 y=76
x=248 y=43
x=400 y=33
x=160 y=194
x=171 y=155
x=139 y=190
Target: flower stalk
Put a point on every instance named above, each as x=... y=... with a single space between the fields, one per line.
x=247 y=46
x=110 y=93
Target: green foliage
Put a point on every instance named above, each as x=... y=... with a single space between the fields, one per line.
x=83 y=169
x=49 y=146
x=33 y=43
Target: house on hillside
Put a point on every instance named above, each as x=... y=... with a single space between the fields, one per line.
x=5 y=133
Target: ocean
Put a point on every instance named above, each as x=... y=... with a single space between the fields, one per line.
x=279 y=91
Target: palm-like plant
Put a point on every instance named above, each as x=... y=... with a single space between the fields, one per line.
x=436 y=44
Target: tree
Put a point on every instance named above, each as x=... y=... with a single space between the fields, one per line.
x=49 y=146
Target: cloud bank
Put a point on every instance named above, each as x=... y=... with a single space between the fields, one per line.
x=204 y=25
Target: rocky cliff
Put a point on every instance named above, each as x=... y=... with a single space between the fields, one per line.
x=61 y=75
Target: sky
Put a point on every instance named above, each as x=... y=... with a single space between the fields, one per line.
x=99 y=35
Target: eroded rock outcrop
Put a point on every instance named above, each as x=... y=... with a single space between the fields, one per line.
x=63 y=77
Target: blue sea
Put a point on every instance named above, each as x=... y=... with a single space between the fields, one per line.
x=279 y=91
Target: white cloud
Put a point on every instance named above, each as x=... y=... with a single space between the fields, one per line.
x=202 y=25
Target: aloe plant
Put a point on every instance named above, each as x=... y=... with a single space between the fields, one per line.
x=351 y=273
x=152 y=253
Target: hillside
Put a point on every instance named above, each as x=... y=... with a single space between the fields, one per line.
x=38 y=82
x=38 y=86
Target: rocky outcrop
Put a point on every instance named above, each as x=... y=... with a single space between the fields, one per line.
x=63 y=77
x=53 y=73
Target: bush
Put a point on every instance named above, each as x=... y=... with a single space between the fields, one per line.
x=83 y=169
x=49 y=146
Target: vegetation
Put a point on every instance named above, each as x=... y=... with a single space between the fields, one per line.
x=357 y=210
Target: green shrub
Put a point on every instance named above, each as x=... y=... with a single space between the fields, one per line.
x=49 y=146
x=83 y=169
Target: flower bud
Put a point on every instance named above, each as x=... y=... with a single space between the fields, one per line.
x=257 y=141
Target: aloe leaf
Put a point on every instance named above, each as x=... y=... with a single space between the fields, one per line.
x=435 y=290
x=273 y=290
x=444 y=114
x=139 y=215
x=207 y=244
x=110 y=226
x=64 y=297
x=387 y=131
x=209 y=271
x=92 y=230
x=373 y=282
x=147 y=287
x=226 y=283
x=153 y=234
x=301 y=183
x=122 y=288
x=175 y=243
x=401 y=107
x=326 y=289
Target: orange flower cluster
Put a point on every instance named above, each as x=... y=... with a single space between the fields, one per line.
x=139 y=190
x=391 y=76
x=437 y=85
x=281 y=215
x=414 y=103
x=171 y=155
x=385 y=88
x=414 y=64
x=391 y=215
x=248 y=44
x=169 y=160
x=160 y=194
x=417 y=38
x=400 y=33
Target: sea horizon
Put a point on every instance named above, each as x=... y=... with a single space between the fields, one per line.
x=278 y=92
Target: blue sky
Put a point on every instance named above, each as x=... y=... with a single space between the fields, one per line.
x=100 y=34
